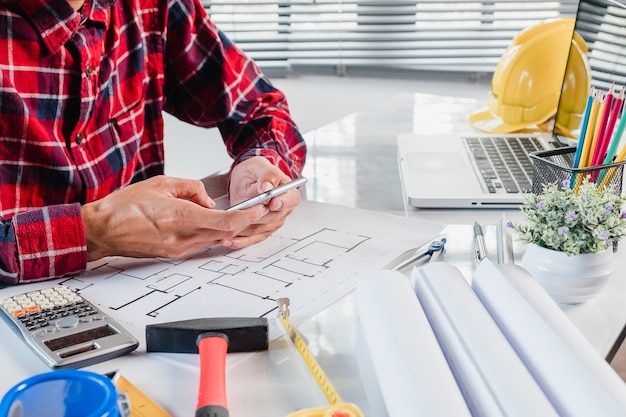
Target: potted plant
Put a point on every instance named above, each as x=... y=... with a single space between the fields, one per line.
x=570 y=234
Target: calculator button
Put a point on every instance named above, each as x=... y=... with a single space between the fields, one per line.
x=8 y=301
x=9 y=305
x=39 y=333
x=67 y=323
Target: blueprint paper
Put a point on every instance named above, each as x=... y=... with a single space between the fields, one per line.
x=317 y=257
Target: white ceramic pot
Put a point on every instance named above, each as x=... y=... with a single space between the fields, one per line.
x=568 y=279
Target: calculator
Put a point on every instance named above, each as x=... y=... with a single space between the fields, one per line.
x=64 y=329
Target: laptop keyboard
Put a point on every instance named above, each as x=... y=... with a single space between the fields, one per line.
x=503 y=162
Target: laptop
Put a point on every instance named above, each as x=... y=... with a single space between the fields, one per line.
x=450 y=171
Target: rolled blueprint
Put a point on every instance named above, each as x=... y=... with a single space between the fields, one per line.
x=493 y=379
x=558 y=321
x=413 y=375
x=569 y=384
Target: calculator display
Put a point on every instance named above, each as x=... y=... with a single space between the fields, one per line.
x=64 y=329
x=82 y=337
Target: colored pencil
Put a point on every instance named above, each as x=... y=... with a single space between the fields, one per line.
x=594 y=136
x=591 y=128
x=611 y=172
x=617 y=135
x=616 y=138
x=583 y=128
x=582 y=134
x=607 y=133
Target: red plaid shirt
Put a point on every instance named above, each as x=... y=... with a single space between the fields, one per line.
x=81 y=96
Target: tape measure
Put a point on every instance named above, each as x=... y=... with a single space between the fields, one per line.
x=336 y=407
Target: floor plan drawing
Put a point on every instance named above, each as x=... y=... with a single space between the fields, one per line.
x=318 y=256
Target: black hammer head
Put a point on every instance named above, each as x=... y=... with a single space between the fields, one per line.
x=244 y=334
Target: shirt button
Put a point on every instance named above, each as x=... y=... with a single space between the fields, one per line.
x=89 y=71
x=79 y=138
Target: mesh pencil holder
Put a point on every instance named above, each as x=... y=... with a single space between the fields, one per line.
x=555 y=166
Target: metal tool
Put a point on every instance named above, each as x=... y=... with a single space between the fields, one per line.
x=479 y=242
x=336 y=406
x=434 y=247
x=505 y=242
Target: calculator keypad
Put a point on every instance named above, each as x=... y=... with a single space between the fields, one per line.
x=50 y=308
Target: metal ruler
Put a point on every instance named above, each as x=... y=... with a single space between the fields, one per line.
x=336 y=407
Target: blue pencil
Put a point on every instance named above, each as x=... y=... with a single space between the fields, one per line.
x=582 y=134
x=583 y=129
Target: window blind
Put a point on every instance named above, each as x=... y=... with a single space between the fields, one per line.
x=378 y=36
x=603 y=26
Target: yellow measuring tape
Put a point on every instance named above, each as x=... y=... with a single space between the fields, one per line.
x=336 y=408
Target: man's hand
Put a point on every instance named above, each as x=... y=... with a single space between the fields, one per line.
x=162 y=217
x=252 y=177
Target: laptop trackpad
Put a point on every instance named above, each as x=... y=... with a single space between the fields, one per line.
x=435 y=162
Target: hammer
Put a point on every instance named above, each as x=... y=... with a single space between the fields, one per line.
x=212 y=338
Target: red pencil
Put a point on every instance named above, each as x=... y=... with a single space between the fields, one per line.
x=607 y=124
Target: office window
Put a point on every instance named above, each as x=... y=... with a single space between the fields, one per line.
x=379 y=36
x=603 y=26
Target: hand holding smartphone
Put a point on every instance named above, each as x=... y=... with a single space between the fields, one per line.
x=268 y=195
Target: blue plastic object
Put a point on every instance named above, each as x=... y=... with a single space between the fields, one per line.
x=63 y=393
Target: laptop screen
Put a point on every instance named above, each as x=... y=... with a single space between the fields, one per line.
x=601 y=25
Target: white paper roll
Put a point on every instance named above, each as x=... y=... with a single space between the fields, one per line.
x=570 y=386
x=493 y=379
x=413 y=375
x=558 y=321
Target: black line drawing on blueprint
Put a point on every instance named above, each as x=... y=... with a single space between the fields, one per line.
x=217 y=281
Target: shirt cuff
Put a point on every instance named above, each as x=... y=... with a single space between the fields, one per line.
x=50 y=242
x=269 y=154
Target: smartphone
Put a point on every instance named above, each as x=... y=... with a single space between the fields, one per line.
x=268 y=195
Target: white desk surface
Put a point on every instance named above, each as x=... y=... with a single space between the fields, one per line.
x=351 y=162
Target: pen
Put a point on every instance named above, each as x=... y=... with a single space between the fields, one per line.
x=479 y=238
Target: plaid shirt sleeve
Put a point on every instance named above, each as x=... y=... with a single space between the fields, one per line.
x=252 y=115
x=45 y=240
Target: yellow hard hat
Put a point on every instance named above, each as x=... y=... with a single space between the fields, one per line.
x=527 y=82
